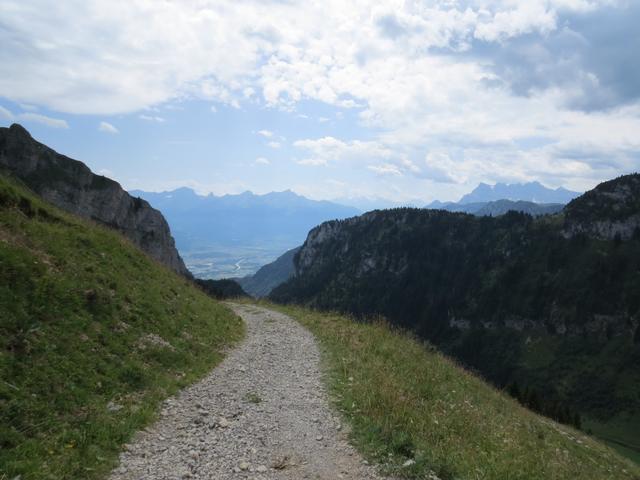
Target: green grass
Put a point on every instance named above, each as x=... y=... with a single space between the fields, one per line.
x=619 y=432
x=404 y=400
x=93 y=336
x=253 y=397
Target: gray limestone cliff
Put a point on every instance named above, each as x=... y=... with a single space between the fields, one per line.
x=70 y=185
x=612 y=210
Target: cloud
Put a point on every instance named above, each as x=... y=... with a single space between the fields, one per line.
x=273 y=144
x=312 y=162
x=262 y=161
x=151 y=118
x=33 y=117
x=284 y=51
x=27 y=107
x=265 y=133
x=107 y=128
x=5 y=113
x=385 y=169
x=469 y=79
x=330 y=149
x=591 y=58
x=44 y=120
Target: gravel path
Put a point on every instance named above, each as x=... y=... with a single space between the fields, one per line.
x=261 y=414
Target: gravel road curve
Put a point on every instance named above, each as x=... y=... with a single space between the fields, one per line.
x=263 y=413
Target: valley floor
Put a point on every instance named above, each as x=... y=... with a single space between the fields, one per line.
x=262 y=413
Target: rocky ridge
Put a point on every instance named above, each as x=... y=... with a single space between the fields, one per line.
x=69 y=184
x=612 y=210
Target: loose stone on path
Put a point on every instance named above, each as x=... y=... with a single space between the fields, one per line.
x=263 y=413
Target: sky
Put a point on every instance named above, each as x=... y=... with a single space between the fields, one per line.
x=402 y=100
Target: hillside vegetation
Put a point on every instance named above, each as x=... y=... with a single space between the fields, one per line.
x=93 y=335
x=548 y=306
x=419 y=413
x=261 y=283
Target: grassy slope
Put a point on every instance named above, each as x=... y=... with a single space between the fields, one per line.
x=79 y=369
x=405 y=401
x=620 y=433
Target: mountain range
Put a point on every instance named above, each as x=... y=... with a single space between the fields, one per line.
x=529 y=192
x=271 y=275
x=234 y=235
x=548 y=304
x=95 y=326
x=532 y=198
x=499 y=207
x=95 y=335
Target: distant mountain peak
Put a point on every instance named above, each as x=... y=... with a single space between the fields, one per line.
x=530 y=192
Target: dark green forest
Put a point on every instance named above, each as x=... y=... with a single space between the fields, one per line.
x=514 y=298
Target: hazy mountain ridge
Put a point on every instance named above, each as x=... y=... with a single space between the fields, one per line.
x=244 y=218
x=69 y=184
x=234 y=235
x=270 y=276
x=529 y=192
x=499 y=207
x=532 y=198
x=495 y=292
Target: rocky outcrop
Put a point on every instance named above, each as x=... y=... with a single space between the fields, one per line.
x=423 y=268
x=609 y=211
x=70 y=185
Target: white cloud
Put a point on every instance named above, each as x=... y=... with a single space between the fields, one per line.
x=28 y=108
x=397 y=63
x=262 y=161
x=151 y=118
x=524 y=18
x=107 y=128
x=330 y=149
x=385 y=169
x=265 y=133
x=312 y=162
x=5 y=113
x=44 y=120
x=105 y=172
x=214 y=109
x=286 y=51
x=273 y=144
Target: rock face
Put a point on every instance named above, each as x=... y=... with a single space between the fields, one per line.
x=611 y=210
x=70 y=185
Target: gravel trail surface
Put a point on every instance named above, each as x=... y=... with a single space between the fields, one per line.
x=263 y=413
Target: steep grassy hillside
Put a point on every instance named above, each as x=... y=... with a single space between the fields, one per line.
x=93 y=334
x=418 y=412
